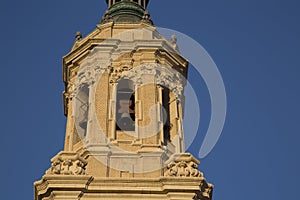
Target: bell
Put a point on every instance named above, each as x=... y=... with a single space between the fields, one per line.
x=125 y=122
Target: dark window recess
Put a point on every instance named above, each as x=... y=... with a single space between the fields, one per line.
x=166 y=115
x=125 y=117
x=83 y=99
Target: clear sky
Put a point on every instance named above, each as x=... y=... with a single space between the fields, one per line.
x=255 y=44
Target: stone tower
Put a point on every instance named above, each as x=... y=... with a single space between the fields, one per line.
x=124 y=105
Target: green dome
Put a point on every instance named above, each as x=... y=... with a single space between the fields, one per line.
x=126 y=11
x=143 y=3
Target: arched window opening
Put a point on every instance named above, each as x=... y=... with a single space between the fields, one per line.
x=166 y=107
x=83 y=109
x=125 y=116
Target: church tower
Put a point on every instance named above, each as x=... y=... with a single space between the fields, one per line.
x=124 y=103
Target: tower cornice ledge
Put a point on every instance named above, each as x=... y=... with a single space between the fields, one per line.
x=159 y=46
x=89 y=187
x=186 y=183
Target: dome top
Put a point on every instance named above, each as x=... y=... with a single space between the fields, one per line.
x=142 y=3
x=127 y=11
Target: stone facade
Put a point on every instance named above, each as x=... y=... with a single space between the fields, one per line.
x=119 y=148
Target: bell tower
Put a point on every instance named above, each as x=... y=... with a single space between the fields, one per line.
x=124 y=103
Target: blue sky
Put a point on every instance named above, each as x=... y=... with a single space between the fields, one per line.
x=255 y=45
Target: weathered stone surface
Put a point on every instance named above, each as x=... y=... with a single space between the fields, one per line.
x=90 y=188
x=100 y=161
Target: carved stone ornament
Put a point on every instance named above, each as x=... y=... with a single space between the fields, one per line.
x=206 y=189
x=205 y=192
x=164 y=75
x=88 y=74
x=183 y=168
x=67 y=163
x=107 y=18
x=117 y=73
x=173 y=42
x=185 y=165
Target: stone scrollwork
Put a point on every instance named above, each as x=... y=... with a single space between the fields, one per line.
x=117 y=73
x=185 y=165
x=205 y=192
x=183 y=169
x=89 y=71
x=99 y=70
x=41 y=185
x=206 y=189
x=87 y=75
x=163 y=75
x=67 y=163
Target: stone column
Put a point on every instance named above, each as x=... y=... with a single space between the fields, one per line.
x=160 y=114
x=112 y=111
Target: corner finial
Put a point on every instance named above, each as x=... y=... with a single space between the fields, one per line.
x=106 y=18
x=78 y=36
x=173 y=42
x=146 y=18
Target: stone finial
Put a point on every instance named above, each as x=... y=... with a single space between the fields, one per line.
x=173 y=39
x=107 y=18
x=173 y=42
x=146 y=18
x=78 y=36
